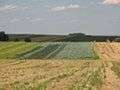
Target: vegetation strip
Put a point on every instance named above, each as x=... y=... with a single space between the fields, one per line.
x=14 y=49
x=27 y=54
x=53 y=54
x=43 y=52
x=79 y=50
x=52 y=50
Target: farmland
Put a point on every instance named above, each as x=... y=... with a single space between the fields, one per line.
x=108 y=51
x=59 y=66
x=10 y=50
x=56 y=50
x=59 y=75
x=65 y=51
x=80 y=50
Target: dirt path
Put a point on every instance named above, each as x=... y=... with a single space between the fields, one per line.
x=111 y=81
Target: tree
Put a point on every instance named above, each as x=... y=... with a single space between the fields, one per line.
x=3 y=36
x=27 y=39
x=75 y=37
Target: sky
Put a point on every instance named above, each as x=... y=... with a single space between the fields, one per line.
x=95 y=17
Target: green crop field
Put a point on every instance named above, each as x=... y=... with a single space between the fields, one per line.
x=10 y=50
x=82 y=50
x=51 y=50
x=64 y=50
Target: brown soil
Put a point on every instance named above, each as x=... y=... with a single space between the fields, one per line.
x=58 y=75
x=111 y=82
x=108 y=51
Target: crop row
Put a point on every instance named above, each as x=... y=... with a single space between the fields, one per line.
x=82 y=50
x=44 y=52
x=56 y=50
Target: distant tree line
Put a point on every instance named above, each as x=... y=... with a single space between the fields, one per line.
x=26 y=39
x=72 y=37
x=77 y=37
x=5 y=37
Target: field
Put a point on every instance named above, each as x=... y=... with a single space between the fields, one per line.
x=10 y=50
x=65 y=51
x=60 y=66
x=59 y=75
x=108 y=51
x=56 y=50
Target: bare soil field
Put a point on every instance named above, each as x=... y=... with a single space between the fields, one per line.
x=59 y=75
x=108 y=51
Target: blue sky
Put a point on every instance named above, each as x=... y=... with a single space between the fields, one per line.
x=101 y=17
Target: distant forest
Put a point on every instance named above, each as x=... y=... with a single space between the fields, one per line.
x=73 y=37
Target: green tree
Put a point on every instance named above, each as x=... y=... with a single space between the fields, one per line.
x=27 y=39
x=3 y=36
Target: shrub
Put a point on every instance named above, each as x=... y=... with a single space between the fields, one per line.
x=27 y=39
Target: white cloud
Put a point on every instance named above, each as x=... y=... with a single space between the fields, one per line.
x=27 y=18
x=25 y=8
x=111 y=2
x=11 y=7
x=58 y=8
x=73 y=6
x=8 y=7
x=35 y=20
x=14 y=20
x=62 y=8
